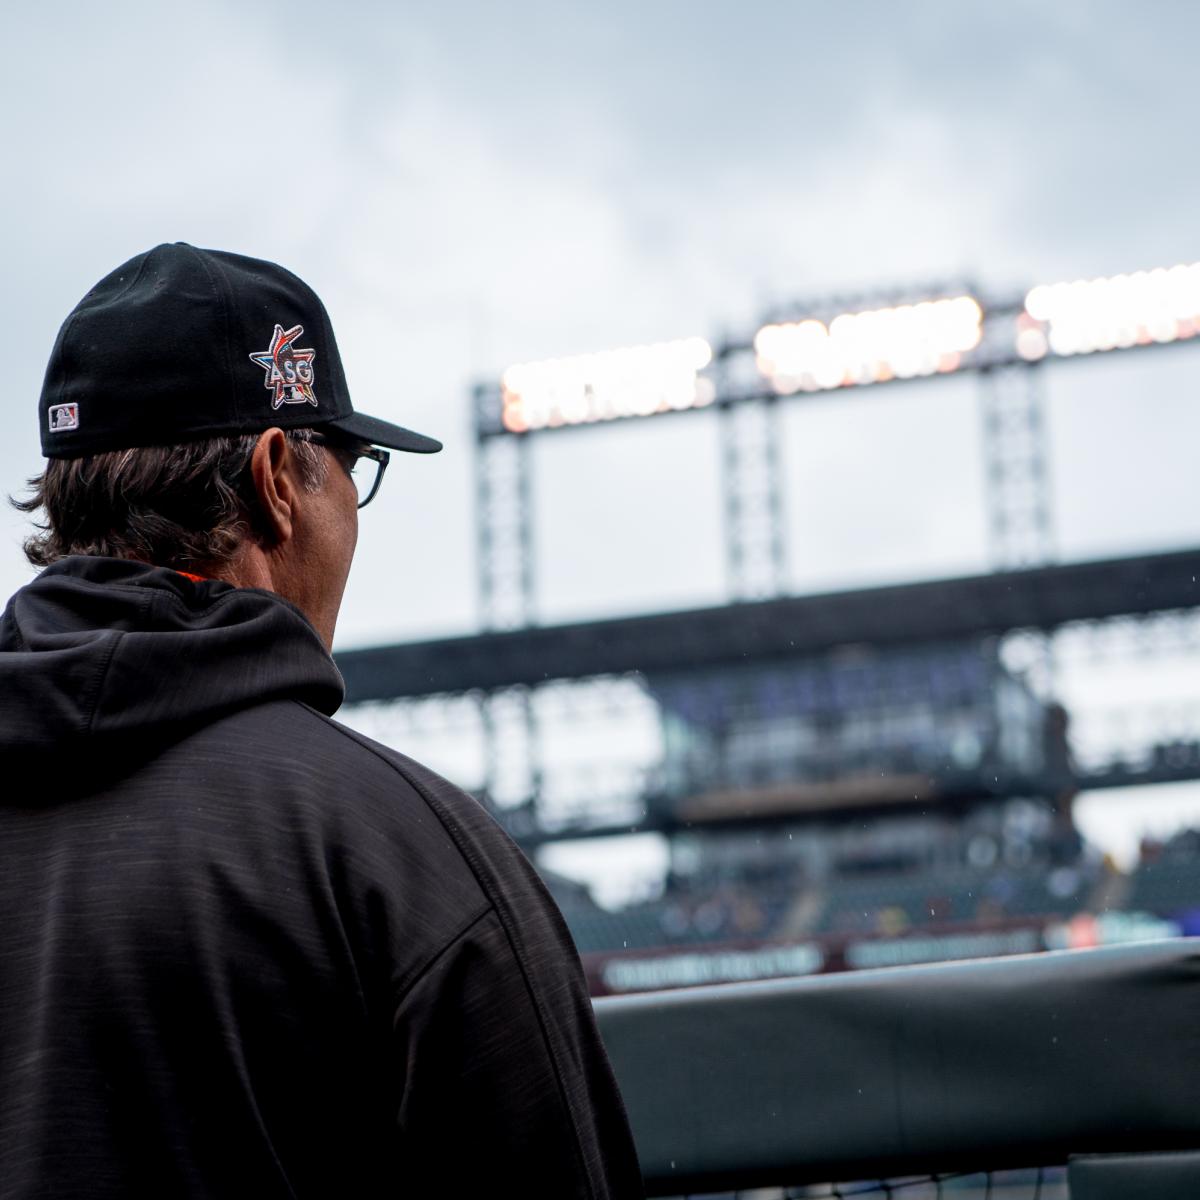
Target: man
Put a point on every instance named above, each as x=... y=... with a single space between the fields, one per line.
x=245 y=951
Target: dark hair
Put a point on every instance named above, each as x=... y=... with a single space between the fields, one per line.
x=180 y=506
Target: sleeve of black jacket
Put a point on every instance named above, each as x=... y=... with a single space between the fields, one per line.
x=504 y=1084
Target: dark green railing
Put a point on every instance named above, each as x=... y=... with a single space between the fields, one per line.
x=923 y=1071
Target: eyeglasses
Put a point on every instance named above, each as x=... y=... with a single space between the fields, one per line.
x=366 y=480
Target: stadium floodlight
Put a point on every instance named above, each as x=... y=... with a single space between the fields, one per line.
x=636 y=381
x=1112 y=313
x=903 y=342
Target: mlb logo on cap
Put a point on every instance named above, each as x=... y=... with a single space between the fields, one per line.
x=64 y=416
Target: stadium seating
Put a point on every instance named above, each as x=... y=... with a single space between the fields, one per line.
x=890 y=903
x=1168 y=882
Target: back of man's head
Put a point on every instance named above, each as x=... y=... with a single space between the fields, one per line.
x=187 y=506
x=160 y=385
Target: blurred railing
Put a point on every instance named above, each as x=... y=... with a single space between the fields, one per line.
x=923 y=1074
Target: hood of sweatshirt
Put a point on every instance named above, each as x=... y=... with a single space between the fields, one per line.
x=104 y=661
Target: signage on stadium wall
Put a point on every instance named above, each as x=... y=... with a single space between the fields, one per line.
x=667 y=967
x=1108 y=929
x=929 y=948
x=688 y=969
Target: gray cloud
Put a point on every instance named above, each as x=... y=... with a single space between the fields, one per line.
x=468 y=186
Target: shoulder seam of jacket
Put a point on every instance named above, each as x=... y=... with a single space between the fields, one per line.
x=92 y=705
x=415 y=977
x=506 y=925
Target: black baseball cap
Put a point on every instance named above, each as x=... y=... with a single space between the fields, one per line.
x=181 y=344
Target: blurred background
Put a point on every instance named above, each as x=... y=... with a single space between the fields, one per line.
x=784 y=637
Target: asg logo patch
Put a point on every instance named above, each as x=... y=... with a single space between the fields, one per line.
x=289 y=369
x=64 y=417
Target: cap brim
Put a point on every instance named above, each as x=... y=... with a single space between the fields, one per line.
x=384 y=433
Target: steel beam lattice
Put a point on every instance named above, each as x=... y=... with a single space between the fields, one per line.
x=1017 y=466
x=752 y=479
x=505 y=535
x=1018 y=499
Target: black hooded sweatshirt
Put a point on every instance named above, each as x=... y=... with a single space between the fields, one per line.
x=247 y=952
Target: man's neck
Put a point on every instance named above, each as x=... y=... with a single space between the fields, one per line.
x=251 y=566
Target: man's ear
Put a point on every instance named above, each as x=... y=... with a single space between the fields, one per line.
x=275 y=487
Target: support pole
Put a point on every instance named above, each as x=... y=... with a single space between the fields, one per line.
x=1016 y=459
x=505 y=536
x=755 y=542
x=1018 y=496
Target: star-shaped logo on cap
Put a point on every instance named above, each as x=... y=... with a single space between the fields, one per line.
x=289 y=369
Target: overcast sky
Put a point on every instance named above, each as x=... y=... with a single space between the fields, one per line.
x=469 y=185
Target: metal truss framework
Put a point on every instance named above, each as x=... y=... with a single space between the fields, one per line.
x=505 y=532
x=1020 y=519
x=1018 y=493
x=1017 y=476
x=755 y=541
x=1018 y=501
